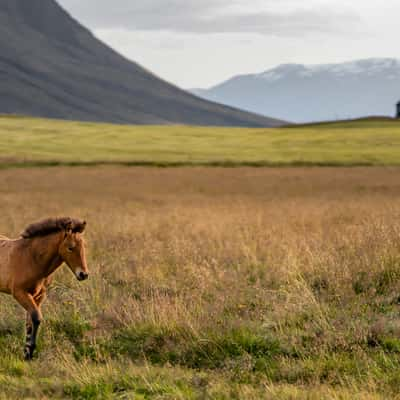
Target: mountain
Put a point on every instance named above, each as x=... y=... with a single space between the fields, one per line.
x=51 y=66
x=305 y=93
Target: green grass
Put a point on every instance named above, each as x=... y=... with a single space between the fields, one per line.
x=31 y=141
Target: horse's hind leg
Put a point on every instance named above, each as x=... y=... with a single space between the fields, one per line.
x=27 y=301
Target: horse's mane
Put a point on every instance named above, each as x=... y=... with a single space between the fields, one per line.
x=53 y=225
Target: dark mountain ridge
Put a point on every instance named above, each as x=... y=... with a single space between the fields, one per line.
x=51 y=66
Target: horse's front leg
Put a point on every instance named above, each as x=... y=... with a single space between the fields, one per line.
x=29 y=328
x=38 y=298
x=33 y=320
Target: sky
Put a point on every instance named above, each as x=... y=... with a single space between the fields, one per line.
x=199 y=43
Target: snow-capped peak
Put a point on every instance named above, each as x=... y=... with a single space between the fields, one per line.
x=370 y=66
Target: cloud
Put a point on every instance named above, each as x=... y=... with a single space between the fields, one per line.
x=212 y=16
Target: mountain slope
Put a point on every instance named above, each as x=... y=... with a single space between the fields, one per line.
x=51 y=66
x=302 y=93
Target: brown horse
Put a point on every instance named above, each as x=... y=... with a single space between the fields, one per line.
x=27 y=265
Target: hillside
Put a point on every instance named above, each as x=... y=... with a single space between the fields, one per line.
x=27 y=141
x=305 y=93
x=51 y=66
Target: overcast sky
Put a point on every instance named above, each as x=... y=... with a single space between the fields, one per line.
x=198 y=43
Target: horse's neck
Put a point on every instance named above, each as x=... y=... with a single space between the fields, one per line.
x=45 y=253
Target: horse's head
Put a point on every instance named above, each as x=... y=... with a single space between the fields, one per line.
x=72 y=250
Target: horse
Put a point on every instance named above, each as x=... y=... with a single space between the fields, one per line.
x=28 y=263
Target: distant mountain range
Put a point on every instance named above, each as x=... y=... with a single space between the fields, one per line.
x=306 y=93
x=51 y=66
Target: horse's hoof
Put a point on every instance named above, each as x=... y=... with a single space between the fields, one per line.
x=28 y=354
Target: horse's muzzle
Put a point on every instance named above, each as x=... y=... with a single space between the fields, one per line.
x=82 y=276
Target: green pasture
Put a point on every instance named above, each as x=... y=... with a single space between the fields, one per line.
x=37 y=141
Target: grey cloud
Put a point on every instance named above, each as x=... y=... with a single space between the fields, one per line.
x=205 y=16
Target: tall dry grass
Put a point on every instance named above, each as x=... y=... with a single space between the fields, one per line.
x=275 y=279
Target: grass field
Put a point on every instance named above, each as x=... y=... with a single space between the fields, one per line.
x=25 y=141
x=213 y=283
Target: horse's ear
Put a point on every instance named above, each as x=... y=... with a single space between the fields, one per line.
x=68 y=227
x=82 y=227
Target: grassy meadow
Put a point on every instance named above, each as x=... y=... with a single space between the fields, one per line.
x=213 y=283
x=29 y=141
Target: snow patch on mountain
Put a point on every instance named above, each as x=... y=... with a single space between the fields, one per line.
x=369 y=67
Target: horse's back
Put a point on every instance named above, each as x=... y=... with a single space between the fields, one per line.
x=10 y=257
x=6 y=243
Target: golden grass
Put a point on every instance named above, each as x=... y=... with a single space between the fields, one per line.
x=226 y=283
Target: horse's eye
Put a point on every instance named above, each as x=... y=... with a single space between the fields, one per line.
x=70 y=249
